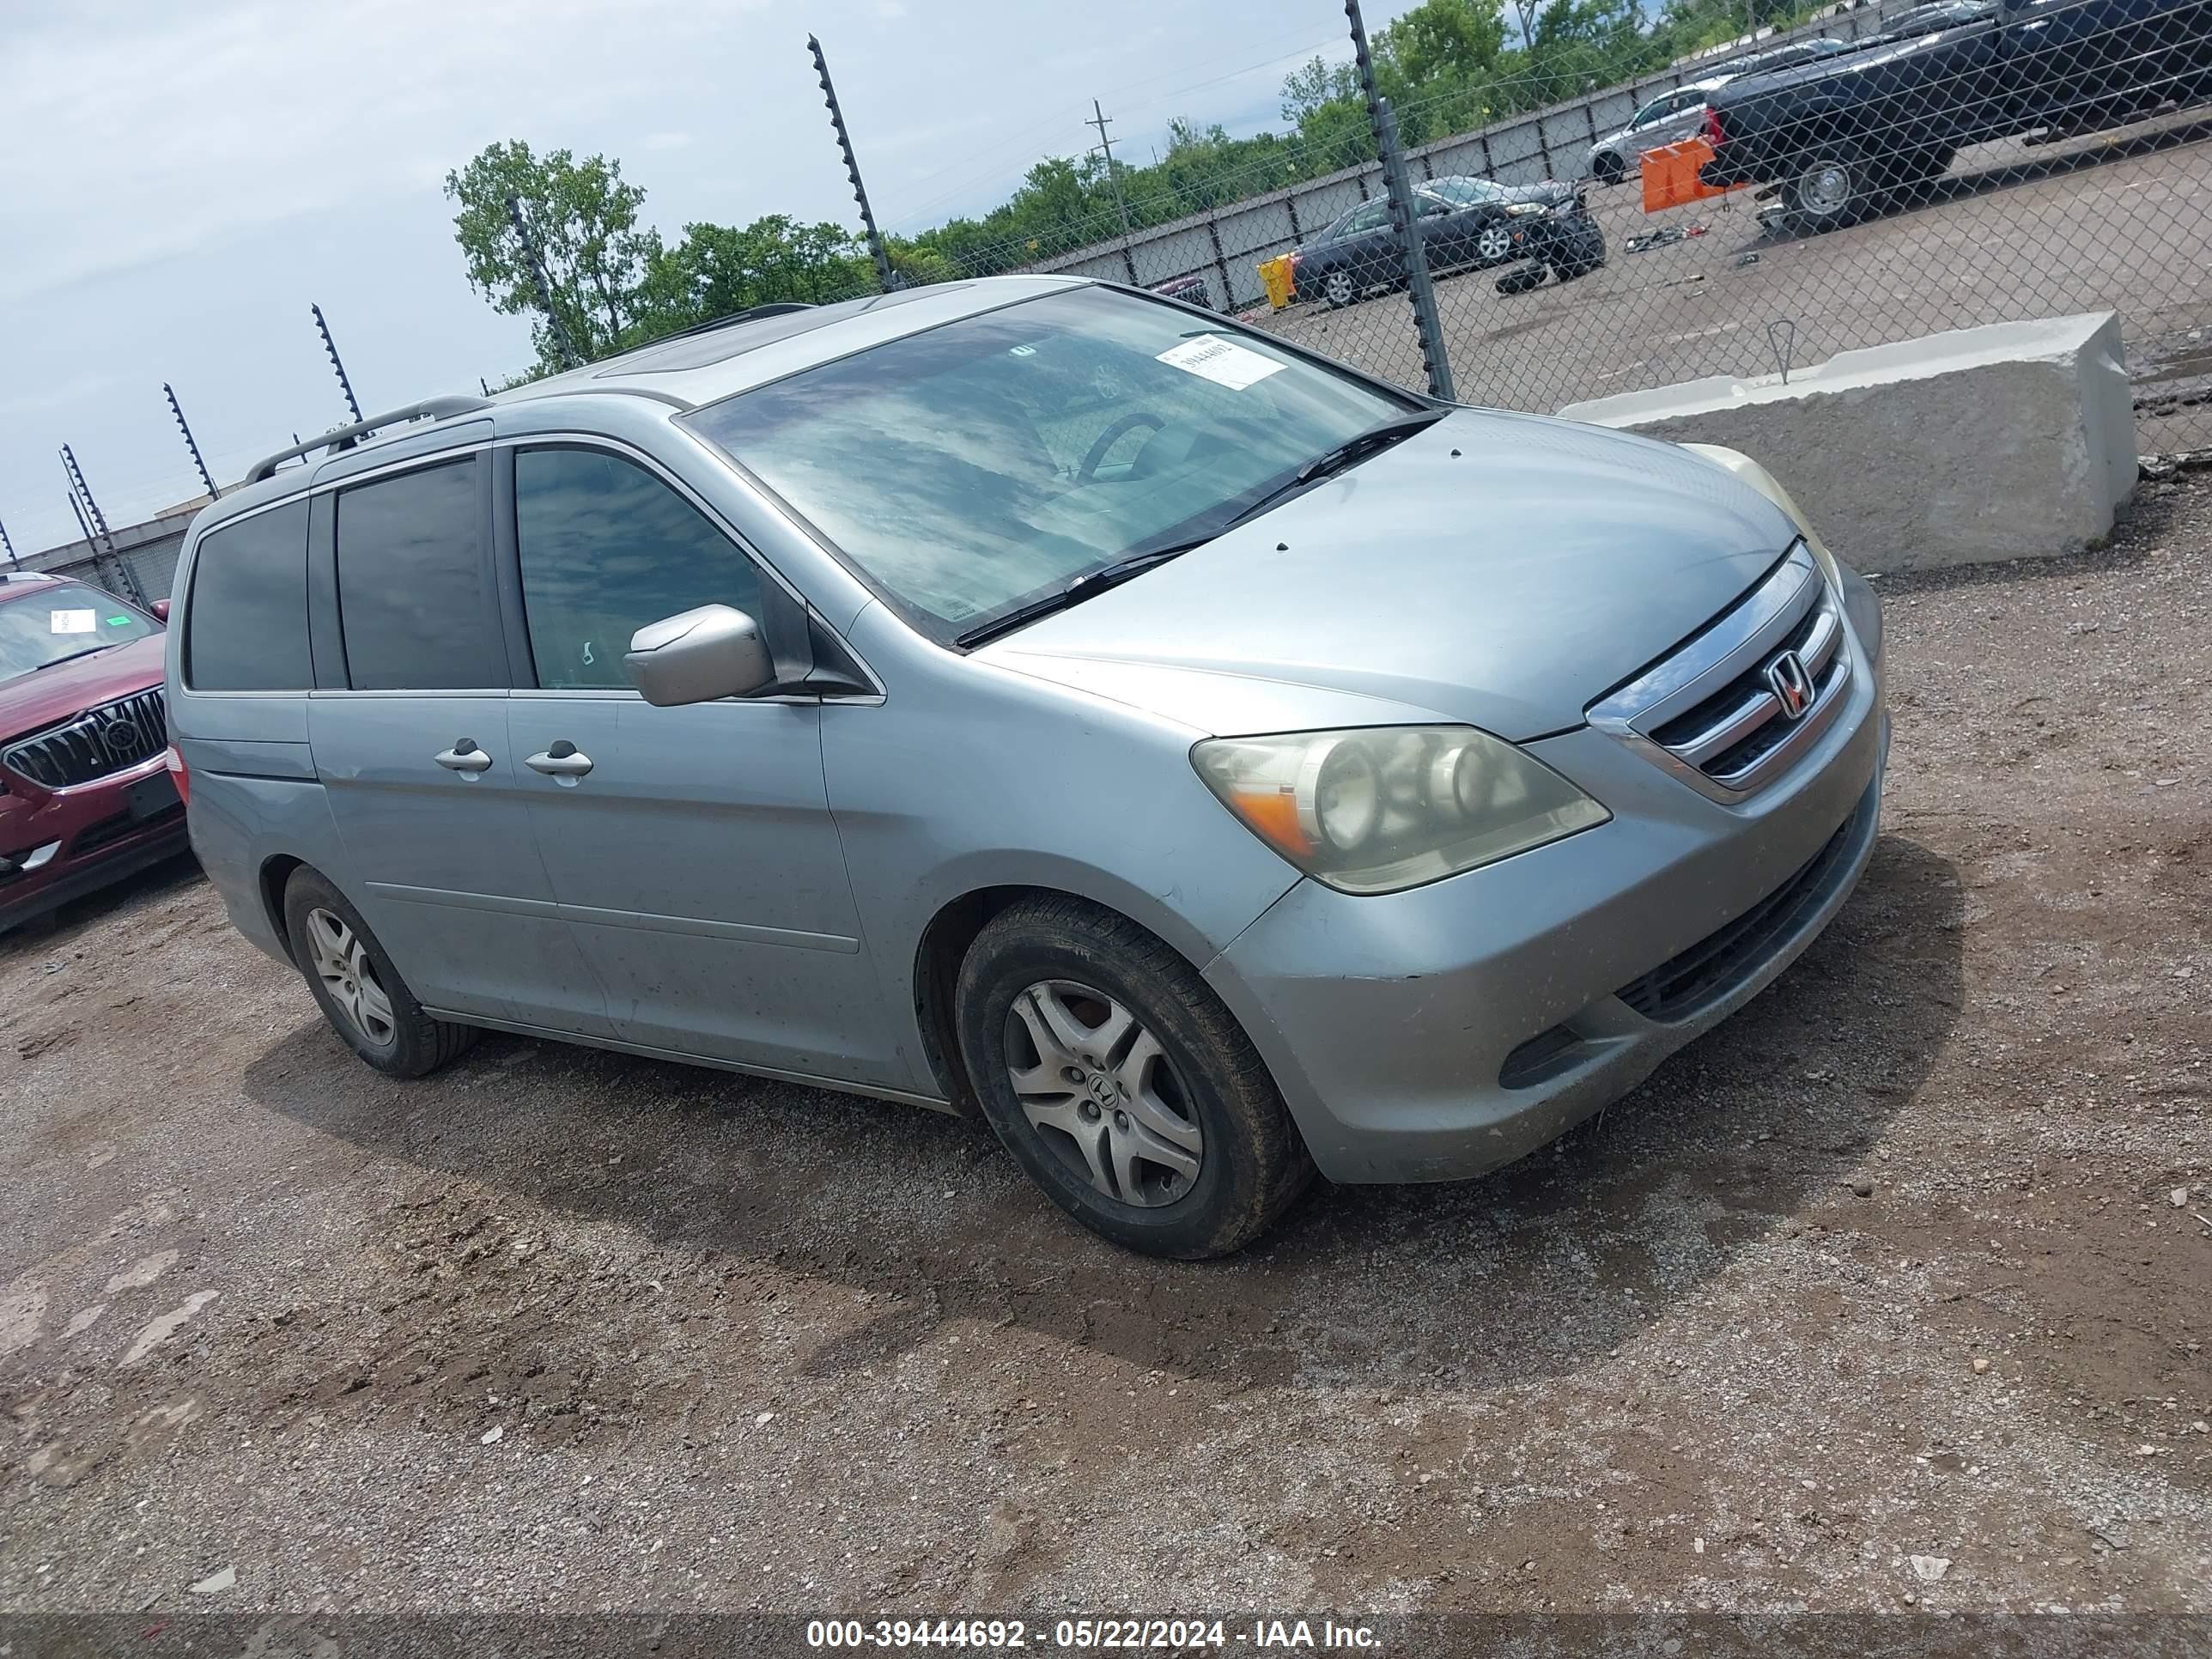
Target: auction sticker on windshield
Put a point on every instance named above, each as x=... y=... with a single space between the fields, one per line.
x=73 y=621
x=1223 y=361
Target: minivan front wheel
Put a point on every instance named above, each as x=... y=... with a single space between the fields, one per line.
x=359 y=991
x=1120 y=1084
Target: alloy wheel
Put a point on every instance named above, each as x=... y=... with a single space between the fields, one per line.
x=1338 y=287
x=1100 y=1091
x=1494 y=244
x=342 y=964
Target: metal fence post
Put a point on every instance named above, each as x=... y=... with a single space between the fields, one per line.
x=1221 y=264
x=1436 y=361
x=885 y=275
x=1404 y=220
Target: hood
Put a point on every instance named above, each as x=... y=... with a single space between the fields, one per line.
x=1876 y=53
x=66 y=690
x=1547 y=190
x=1504 y=570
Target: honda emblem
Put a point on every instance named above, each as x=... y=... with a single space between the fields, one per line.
x=1792 y=686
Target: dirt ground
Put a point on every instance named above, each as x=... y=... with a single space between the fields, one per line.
x=1894 y=1291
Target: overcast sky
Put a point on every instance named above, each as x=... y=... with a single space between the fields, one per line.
x=178 y=182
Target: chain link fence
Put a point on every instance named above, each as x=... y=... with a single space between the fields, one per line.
x=1912 y=170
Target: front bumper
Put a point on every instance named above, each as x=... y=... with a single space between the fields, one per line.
x=59 y=845
x=1436 y=1034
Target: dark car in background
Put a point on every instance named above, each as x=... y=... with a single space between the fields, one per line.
x=1190 y=288
x=1463 y=221
x=86 y=796
x=1874 y=128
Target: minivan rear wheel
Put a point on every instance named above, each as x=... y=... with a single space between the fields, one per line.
x=1121 y=1085
x=358 y=989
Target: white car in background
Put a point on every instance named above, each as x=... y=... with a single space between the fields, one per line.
x=1680 y=114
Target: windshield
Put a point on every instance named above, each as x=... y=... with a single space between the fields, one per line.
x=72 y=620
x=1465 y=192
x=965 y=470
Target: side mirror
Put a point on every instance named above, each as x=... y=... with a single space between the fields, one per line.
x=162 y=608
x=697 y=656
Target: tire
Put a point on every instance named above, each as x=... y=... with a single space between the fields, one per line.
x=1912 y=177
x=1609 y=169
x=1827 y=188
x=1210 y=1161
x=1494 y=244
x=398 y=1038
x=1339 y=288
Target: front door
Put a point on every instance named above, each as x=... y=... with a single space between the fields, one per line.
x=413 y=748
x=691 y=849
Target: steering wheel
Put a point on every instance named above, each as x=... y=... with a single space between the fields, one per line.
x=1112 y=435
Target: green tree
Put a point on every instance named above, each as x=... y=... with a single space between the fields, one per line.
x=772 y=260
x=583 y=220
x=1445 y=41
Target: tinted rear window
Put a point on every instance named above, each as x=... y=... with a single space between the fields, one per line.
x=414 y=593
x=246 y=628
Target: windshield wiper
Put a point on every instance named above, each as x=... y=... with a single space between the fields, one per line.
x=1088 y=586
x=1093 y=583
x=1363 y=444
x=56 y=662
x=1329 y=462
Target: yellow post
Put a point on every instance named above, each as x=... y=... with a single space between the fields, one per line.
x=1275 y=277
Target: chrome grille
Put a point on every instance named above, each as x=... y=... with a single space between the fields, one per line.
x=97 y=744
x=1730 y=711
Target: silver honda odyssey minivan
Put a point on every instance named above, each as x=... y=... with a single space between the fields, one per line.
x=1035 y=698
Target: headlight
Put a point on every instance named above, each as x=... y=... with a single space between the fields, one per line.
x=1380 y=808
x=1519 y=208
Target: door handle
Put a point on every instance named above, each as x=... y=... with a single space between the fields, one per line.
x=465 y=758
x=563 y=761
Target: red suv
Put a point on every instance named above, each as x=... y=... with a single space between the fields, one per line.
x=86 y=796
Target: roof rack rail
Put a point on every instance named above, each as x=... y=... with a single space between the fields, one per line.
x=345 y=437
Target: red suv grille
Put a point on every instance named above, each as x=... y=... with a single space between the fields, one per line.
x=110 y=739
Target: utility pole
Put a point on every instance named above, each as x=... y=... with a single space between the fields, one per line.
x=1113 y=181
x=330 y=346
x=1098 y=120
x=206 y=478
x=563 y=342
x=884 y=273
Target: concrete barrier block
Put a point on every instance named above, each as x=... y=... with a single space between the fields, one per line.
x=1997 y=442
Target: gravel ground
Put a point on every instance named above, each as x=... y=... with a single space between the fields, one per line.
x=2117 y=221
x=1892 y=1291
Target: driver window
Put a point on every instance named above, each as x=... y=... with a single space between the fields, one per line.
x=606 y=548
